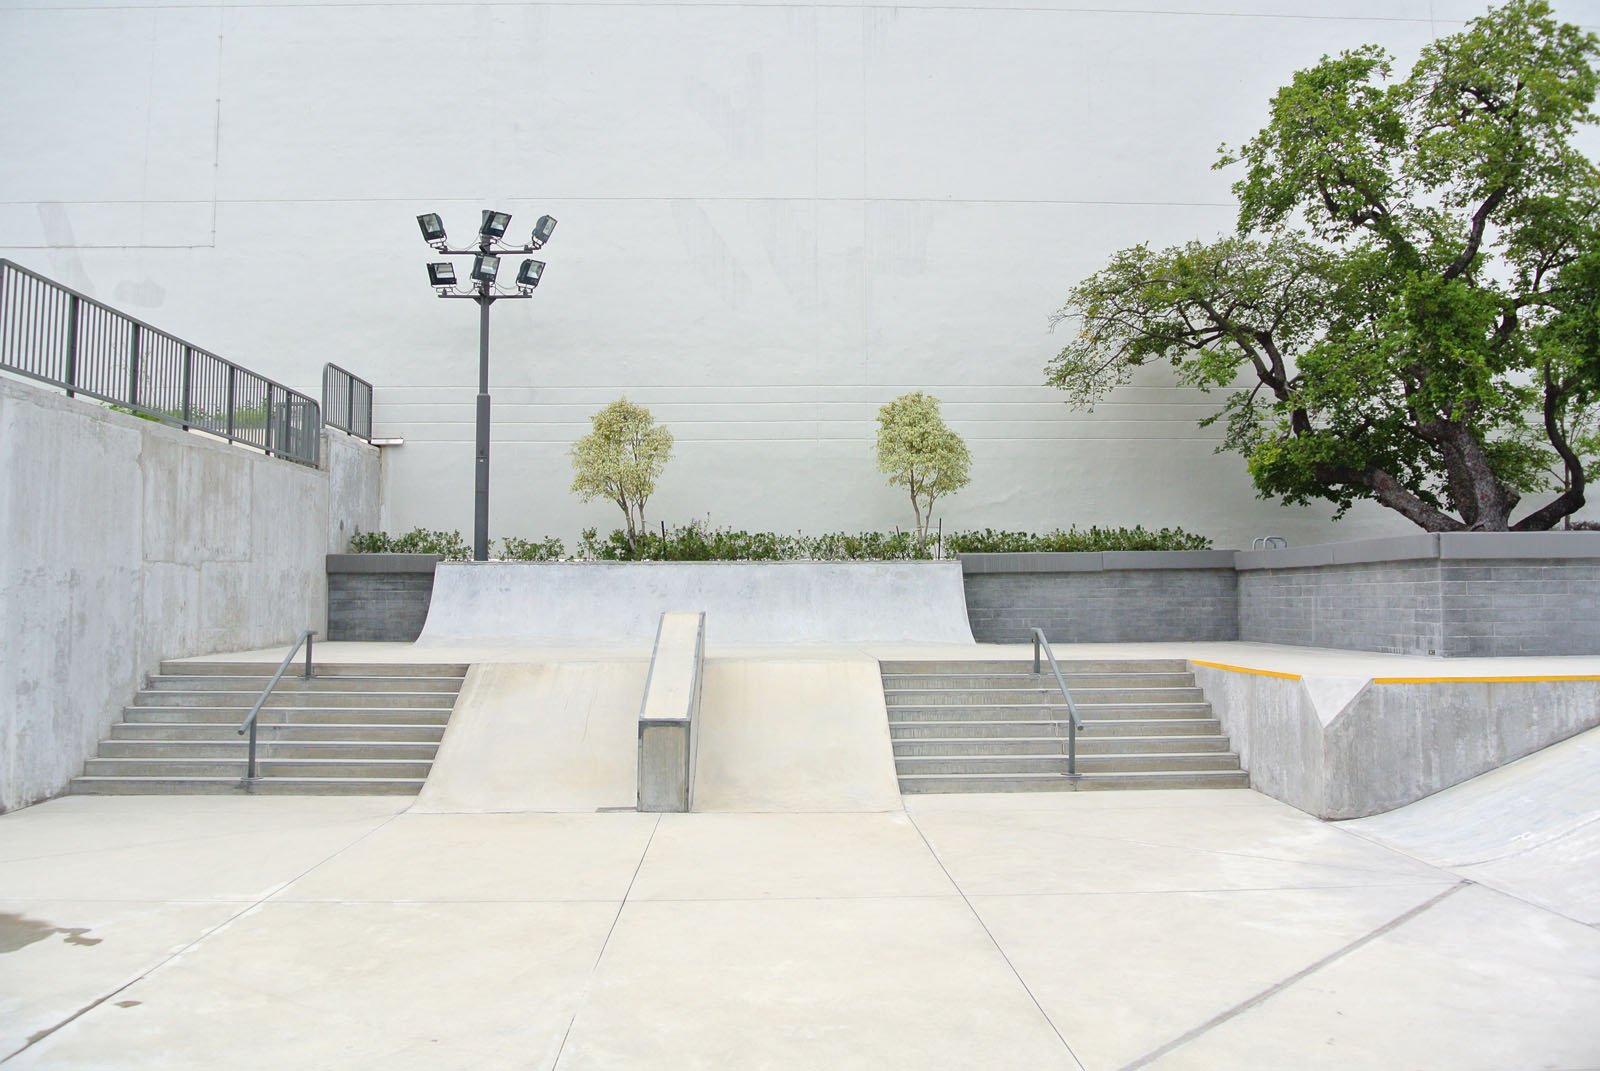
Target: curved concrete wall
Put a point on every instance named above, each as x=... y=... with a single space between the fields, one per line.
x=620 y=603
x=775 y=216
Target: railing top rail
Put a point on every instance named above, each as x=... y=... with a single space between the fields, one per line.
x=1039 y=642
x=249 y=724
x=151 y=328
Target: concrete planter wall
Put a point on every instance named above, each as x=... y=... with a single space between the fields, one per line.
x=1102 y=597
x=379 y=596
x=1451 y=594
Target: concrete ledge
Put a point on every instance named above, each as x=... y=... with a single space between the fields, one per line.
x=1531 y=545
x=382 y=563
x=669 y=713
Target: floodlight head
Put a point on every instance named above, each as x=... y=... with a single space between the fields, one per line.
x=542 y=231
x=494 y=225
x=485 y=266
x=528 y=276
x=432 y=228
x=441 y=274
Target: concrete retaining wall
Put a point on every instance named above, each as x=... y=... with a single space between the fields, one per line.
x=1102 y=597
x=126 y=541
x=1348 y=748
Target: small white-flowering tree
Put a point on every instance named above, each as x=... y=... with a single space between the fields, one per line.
x=919 y=452
x=621 y=459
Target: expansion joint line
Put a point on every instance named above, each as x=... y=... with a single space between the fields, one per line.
x=1273 y=990
x=1023 y=982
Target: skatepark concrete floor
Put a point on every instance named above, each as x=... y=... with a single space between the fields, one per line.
x=1202 y=929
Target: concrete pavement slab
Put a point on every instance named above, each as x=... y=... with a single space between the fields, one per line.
x=1267 y=845
x=457 y=857
x=1121 y=974
x=872 y=985
x=176 y=847
x=757 y=856
x=1478 y=981
x=351 y=985
x=58 y=957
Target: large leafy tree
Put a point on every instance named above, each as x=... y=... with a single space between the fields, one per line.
x=1413 y=295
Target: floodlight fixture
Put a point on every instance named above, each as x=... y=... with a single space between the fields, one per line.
x=542 y=231
x=441 y=274
x=432 y=228
x=494 y=225
x=485 y=266
x=528 y=276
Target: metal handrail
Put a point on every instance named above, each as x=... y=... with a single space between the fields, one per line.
x=57 y=335
x=346 y=401
x=250 y=722
x=1072 y=708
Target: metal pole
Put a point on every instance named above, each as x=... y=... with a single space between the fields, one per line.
x=480 y=523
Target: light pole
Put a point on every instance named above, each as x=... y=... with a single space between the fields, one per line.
x=485 y=266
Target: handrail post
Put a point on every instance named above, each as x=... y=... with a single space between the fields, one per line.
x=71 y=369
x=250 y=769
x=308 y=654
x=133 y=369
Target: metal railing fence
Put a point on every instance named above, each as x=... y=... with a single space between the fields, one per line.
x=56 y=335
x=346 y=401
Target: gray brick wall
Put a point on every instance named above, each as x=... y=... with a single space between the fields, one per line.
x=378 y=596
x=1376 y=606
x=1535 y=606
x=1103 y=607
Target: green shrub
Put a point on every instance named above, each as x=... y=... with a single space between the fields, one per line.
x=990 y=541
x=448 y=545
x=550 y=549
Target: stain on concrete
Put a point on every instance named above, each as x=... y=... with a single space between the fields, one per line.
x=19 y=931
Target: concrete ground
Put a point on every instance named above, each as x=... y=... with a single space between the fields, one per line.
x=1166 y=930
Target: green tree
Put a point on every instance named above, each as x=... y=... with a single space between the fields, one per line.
x=621 y=459
x=1415 y=282
x=919 y=452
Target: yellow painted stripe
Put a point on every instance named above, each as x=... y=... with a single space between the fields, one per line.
x=1242 y=669
x=1480 y=680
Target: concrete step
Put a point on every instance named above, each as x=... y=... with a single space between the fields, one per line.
x=894 y=697
x=1046 y=712
x=214 y=682
x=1046 y=680
x=380 y=769
x=981 y=729
x=181 y=748
x=927 y=783
x=1056 y=745
x=318 y=669
x=267 y=730
x=285 y=786
x=1088 y=665
x=246 y=699
x=1087 y=763
x=287 y=715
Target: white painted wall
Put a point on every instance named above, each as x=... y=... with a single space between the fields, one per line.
x=123 y=542
x=774 y=217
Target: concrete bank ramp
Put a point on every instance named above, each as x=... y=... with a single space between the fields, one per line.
x=784 y=734
x=557 y=736
x=745 y=602
x=1530 y=828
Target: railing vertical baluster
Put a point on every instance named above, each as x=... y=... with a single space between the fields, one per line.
x=266 y=434
x=72 y=343
x=133 y=369
x=230 y=401
x=188 y=376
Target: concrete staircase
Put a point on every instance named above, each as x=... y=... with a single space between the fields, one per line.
x=351 y=729
x=995 y=727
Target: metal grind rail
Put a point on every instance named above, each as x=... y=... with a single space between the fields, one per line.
x=347 y=401
x=250 y=722
x=59 y=336
x=1072 y=709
